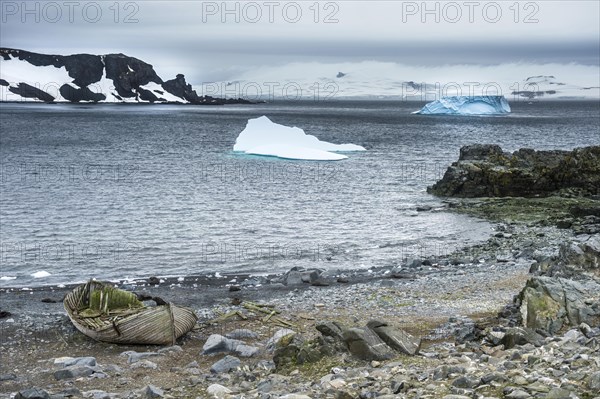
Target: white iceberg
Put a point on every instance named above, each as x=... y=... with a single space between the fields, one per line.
x=263 y=137
x=466 y=105
x=40 y=274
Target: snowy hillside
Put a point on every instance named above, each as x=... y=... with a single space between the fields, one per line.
x=396 y=81
x=27 y=76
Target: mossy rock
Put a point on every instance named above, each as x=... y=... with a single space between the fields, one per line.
x=541 y=311
x=310 y=352
x=286 y=356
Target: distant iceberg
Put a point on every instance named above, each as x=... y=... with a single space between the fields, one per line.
x=466 y=105
x=263 y=137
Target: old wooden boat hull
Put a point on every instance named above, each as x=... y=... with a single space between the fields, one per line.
x=159 y=325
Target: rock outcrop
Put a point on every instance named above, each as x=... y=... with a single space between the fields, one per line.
x=550 y=303
x=487 y=171
x=377 y=341
x=365 y=344
x=129 y=73
x=566 y=290
x=75 y=95
x=395 y=338
x=576 y=260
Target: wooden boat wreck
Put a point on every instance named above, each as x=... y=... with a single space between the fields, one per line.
x=108 y=314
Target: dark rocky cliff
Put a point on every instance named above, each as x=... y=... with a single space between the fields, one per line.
x=128 y=75
x=487 y=171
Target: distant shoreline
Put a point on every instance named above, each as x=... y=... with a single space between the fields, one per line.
x=301 y=100
x=232 y=102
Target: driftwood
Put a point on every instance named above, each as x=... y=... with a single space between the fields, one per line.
x=255 y=307
x=267 y=309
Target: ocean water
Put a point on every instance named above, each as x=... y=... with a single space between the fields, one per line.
x=115 y=192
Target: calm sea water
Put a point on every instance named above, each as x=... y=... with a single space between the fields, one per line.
x=113 y=191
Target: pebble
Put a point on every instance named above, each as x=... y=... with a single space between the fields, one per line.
x=218 y=391
x=8 y=377
x=225 y=365
x=133 y=356
x=32 y=393
x=242 y=333
x=144 y=364
x=73 y=372
x=170 y=350
x=152 y=391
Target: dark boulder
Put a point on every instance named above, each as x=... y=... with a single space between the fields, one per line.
x=332 y=337
x=286 y=355
x=331 y=329
x=4 y=83
x=363 y=343
x=73 y=372
x=395 y=338
x=225 y=365
x=32 y=393
x=521 y=336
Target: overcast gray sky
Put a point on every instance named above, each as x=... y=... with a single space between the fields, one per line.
x=214 y=40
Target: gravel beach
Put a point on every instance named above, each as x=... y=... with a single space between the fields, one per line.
x=439 y=300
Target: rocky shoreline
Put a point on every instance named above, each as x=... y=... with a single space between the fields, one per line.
x=515 y=317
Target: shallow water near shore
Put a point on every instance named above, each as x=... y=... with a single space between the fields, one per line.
x=118 y=192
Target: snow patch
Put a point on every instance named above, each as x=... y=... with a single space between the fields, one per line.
x=153 y=87
x=7 y=278
x=46 y=78
x=261 y=136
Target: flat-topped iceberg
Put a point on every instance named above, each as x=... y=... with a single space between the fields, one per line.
x=263 y=137
x=466 y=105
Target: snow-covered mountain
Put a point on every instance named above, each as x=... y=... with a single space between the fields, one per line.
x=28 y=76
x=372 y=79
x=90 y=78
x=547 y=86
